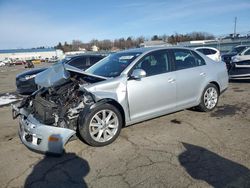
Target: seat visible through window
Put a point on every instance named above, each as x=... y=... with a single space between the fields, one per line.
x=155 y=63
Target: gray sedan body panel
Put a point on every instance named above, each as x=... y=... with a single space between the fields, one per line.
x=157 y=95
x=45 y=138
x=114 y=89
x=147 y=100
x=141 y=99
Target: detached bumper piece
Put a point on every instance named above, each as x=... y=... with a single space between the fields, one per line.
x=40 y=137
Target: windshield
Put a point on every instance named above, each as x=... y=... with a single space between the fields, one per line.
x=113 y=65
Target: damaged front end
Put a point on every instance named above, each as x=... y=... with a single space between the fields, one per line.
x=48 y=118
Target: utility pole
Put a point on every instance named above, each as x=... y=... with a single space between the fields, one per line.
x=235 y=23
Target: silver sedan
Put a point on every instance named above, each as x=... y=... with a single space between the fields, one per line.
x=122 y=89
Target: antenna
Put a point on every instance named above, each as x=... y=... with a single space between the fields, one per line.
x=235 y=23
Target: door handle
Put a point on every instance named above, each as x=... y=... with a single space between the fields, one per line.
x=171 y=80
x=202 y=74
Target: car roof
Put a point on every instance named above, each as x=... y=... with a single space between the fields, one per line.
x=206 y=47
x=87 y=55
x=149 y=49
x=241 y=46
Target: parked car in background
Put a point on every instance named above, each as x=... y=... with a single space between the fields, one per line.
x=210 y=52
x=25 y=81
x=19 y=62
x=36 y=61
x=7 y=62
x=53 y=60
x=111 y=94
x=240 y=70
x=29 y=64
x=235 y=50
x=244 y=55
x=2 y=64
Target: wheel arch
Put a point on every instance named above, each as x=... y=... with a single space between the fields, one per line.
x=114 y=103
x=216 y=84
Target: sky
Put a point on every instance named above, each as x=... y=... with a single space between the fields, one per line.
x=34 y=23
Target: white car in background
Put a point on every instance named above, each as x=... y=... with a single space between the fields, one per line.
x=245 y=55
x=210 y=52
x=2 y=64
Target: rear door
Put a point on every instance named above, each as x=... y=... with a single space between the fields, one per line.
x=154 y=94
x=190 y=77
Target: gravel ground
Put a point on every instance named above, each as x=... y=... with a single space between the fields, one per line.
x=183 y=149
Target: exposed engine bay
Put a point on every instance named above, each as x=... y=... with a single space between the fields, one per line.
x=53 y=114
x=60 y=106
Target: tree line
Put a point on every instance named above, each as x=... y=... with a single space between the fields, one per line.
x=131 y=42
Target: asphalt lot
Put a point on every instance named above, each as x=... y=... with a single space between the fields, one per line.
x=183 y=149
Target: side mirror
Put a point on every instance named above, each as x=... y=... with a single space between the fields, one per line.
x=137 y=74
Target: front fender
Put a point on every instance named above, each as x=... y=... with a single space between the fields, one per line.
x=84 y=113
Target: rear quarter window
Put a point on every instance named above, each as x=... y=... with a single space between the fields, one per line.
x=199 y=60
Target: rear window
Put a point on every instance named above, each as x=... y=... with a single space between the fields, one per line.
x=206 y=51
x=212 y=51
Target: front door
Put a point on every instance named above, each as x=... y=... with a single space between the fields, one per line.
x=154 y=94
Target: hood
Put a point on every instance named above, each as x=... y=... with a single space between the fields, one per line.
x=59 y=74
x=31 y=72
x=76 y=70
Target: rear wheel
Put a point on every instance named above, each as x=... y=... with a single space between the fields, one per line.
x=209 y=98
x=101 y=126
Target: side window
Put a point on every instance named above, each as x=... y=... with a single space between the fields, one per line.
x=247 y=52
x=198 y=59
x=154 y=63
x=88 y=62
x=185 y=59
x=78 y=62
x=93 y=60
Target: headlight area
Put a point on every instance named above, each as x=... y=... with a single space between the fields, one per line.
x=48 y=118
x=28 y=77
x=43 y=138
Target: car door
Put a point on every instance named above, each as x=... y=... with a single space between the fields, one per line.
x=154 y=94
x=190 y=77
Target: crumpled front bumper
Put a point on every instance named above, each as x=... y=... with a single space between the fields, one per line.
x=40 y=137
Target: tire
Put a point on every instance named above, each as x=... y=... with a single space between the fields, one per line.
x=209 y=98
x=97 y=132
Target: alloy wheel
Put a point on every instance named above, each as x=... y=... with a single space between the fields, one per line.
x=103 y=125
x=210 y=98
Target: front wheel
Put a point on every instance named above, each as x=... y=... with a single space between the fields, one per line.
x=101 y=126
x=209 y=98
